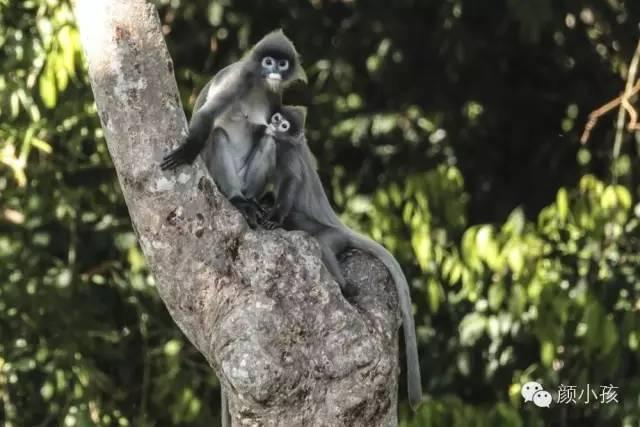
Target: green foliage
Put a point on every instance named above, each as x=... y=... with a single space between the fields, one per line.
x=85 y=339
x=446 y=130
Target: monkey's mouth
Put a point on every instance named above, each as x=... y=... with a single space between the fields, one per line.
x=273 y=80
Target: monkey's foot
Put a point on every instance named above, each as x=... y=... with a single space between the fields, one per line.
x=264 y=218
x=261 y=211
x=248 y=210
x=269 y=225
x=264 y=221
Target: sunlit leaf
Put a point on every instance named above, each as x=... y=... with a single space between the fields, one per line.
x=172 y=348
x=623 y=196
x=435 y=295
x=609 y=198
x=562 y=203
x=472 y=327
x=41 y=145
x=47 y=87
x=496 y=296
x=547 y=352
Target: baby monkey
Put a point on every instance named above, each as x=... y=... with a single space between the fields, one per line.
x=302 y=204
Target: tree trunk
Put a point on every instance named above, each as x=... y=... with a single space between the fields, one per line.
x=288 y=348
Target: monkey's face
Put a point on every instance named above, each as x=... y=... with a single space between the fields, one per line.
x=274 y=69
x=278 y=126
x=283 y=128
x=277 y=61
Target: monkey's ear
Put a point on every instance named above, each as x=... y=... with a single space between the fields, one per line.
x=300 y=74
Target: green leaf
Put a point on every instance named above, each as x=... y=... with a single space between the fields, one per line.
x=562 y=202
x=496 y=296
x=41 y=145
x=421 y=243
x=471 y=328
x=469 y=249
x=14 y=102
x=68 y=41
x=62 y=78
x=47 y=390
x=487 y=247
x=547 y=352
x=435 y=295
x=515 y=258
x=172 y=347
x=623 y=196
x=609 y=199
x=47 y=87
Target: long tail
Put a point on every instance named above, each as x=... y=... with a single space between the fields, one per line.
x=363 y=243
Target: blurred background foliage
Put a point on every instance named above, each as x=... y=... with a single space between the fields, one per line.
x=446 y=129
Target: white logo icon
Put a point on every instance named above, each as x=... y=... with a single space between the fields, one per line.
x=529 y=389
x=542 y=399
x=533 y=392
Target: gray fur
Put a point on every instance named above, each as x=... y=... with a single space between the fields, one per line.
x=302 y=204
x=259 y=168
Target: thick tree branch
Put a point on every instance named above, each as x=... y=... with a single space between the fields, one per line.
x=288 y=348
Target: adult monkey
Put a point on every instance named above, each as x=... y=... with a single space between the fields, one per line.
x=236 y=103
x=302 y=204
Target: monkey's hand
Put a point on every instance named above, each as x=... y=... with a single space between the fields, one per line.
x=266 y=223
x=247 y=208
x=274 y=216
x=259 y=130
x=270 y=221
x=184 y=154
x=269 y=225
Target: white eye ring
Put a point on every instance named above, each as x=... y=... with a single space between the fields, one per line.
x=268 y=61
x=283 y=65
x=284 y=126
x=276 y=118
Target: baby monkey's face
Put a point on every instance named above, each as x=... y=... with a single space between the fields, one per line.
x=287 y=124
x=278 y=125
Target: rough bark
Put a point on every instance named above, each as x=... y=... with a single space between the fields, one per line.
x=287 y=347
